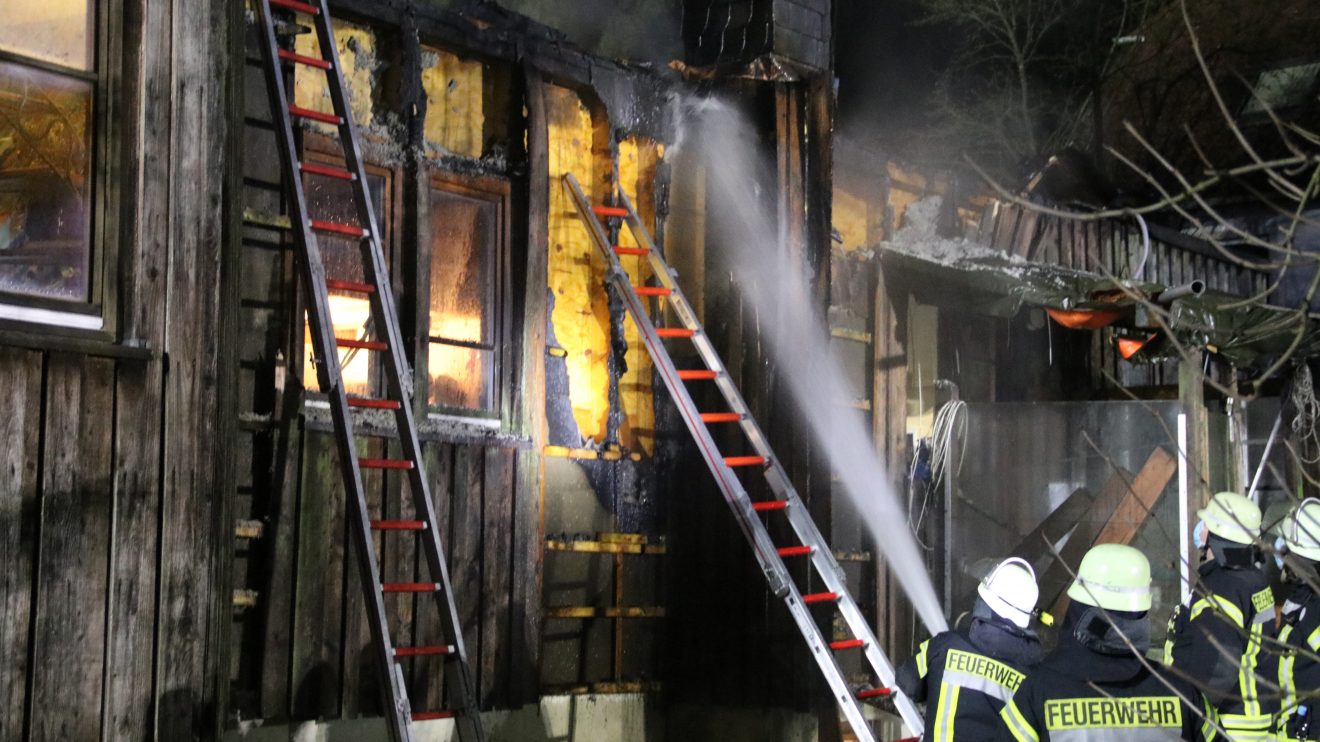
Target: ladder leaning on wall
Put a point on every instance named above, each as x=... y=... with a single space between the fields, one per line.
x=460 y=693
x=785 y=504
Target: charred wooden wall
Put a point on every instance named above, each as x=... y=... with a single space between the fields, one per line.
x=111 y=494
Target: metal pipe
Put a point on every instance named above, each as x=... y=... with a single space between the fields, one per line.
x=1191 y=288
x=1265 y=457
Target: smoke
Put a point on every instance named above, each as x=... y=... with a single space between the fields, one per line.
x=751 y=248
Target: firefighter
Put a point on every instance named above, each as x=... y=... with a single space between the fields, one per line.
x=1217 y=635
x=964 y=677
x=1097 y=685
x=1299 y=639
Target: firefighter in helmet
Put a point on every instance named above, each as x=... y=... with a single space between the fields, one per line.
x=1216 y=637
x=964 y=677
x=1298 y=551
x=1097 y=684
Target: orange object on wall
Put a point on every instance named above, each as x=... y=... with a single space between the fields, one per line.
x=1128 y=347
x=1083 y=319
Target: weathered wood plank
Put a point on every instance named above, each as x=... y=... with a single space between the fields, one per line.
x=320 y=579
x=427 y=687
x=20 y=428
x=1142 y=495
x=132 y=620
x=360 y=692
x=496 y=575
x=466 y=547
x=68 y=652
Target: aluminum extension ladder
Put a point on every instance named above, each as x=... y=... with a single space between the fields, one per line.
x=461 y=700
x=786 y=504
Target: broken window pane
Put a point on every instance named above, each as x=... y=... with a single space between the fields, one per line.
x=58 y=31
x=464 y=247
x=350 y=312
x=45 y=161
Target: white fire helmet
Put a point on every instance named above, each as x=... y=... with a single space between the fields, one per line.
x=1301 y=532
x=1010 y=590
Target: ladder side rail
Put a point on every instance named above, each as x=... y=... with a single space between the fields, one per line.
x=330 y=379
x=829 y=666
x=822 y=556
x=460 y=685
x=734 y=494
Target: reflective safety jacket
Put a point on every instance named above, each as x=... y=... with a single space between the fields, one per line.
x=964 y=677
x=1299 y=668
x=1217 y=638
x=1077 y=695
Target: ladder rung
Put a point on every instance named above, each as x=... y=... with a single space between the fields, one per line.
x=423 y=651
x=874 y=693
x=761 y=507
x=848 y=644
x=289 y=56
x=373 y=404
x=619 y=250
x=361 y=288
x=410 y=587
x=652 y=291
x=336 y=227
x=674 y=332
x=295 y=5
x=720 y=417
x=428 y=715
x=698 y=374
x=820 y=598
x=385 y=463
x=307 y=113
x=788 y=551
x=609 y=211
x=398 y=525
x=326 y=170
x=744 y=460
x=360 y=344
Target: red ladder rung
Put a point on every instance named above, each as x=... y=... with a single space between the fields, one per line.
x=373 y=404
x=307 y=113
x=348 y=229
x=360 y=344
x=789 y=551
x=720 y=417
x=609 y=211
x=328 y=171
x=810 y=598
x=674 y=332
x=410 y=587
x=744 y=460
x=385 y=463
x=429 y=715
x=620 y=250
x=333 y=284
x=423 y=651
x=762 y=507
x=848 y=644
x=289 y=56
x=398 y=525
x=652 y=290
x=295 y=5
x=874 y=693
x=698 y=375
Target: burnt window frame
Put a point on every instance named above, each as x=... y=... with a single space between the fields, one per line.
x=323 y=149
x=96 y=317
x=497 y=190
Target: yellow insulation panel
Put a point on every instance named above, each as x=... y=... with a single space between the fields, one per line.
x=357 y=55
x=455 y=113
x=638 y=159
x=852 y=217
x=576 y=274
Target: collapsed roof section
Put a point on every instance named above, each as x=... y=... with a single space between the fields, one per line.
x=1149 y=321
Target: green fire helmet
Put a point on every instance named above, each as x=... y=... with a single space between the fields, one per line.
x=1113 y=577
x=1301 y=532
x=1233 y=517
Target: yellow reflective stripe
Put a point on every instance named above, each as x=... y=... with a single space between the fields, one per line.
x=945 y=712
x=1017 y=724
x=1247 y=675
x=921 y=658
x=1287 y=690
x=1208 y=730
x=1168 y=648
x=1218 y=604
x=1313 y=641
